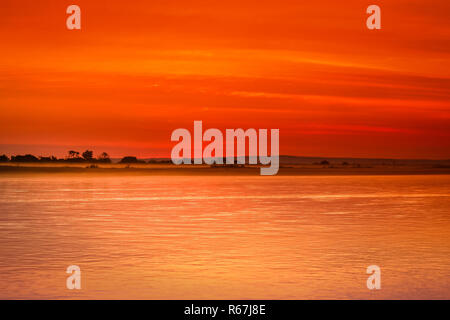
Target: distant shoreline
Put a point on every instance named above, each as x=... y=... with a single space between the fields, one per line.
x=204 y=170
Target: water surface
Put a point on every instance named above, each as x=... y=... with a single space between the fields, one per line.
x=174 y=237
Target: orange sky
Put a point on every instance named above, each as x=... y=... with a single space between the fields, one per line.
x=140 y=69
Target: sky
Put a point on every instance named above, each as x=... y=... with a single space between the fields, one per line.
x=137 y=70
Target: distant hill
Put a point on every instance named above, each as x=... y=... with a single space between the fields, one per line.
x=298 y=160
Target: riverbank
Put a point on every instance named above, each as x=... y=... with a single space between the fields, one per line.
x=183 y=170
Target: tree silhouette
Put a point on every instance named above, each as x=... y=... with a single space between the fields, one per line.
x=104 y=157
x=4 y=158
x=25 y=158
x=129 y=159
x=87 y=155
x=73 y=154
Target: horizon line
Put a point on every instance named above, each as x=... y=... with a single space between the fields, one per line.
x=284 y=156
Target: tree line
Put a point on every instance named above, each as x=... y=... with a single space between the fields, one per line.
x=74 y=157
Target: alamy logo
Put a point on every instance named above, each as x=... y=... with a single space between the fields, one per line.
x=213 y=152
x=74 y=20
x=374 y=20
x=74 y=280
x=374 y=281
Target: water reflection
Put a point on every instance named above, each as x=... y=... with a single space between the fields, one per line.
x=169 y=237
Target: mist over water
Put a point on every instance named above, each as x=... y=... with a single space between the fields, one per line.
x=225 y=237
